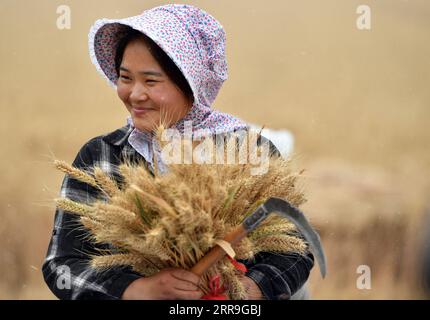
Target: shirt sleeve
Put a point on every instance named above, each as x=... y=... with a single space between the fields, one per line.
x=279 y=275
x=66 y=269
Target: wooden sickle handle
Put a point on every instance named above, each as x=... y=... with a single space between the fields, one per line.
x=217 y=253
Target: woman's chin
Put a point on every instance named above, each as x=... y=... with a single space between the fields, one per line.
x=143 y=125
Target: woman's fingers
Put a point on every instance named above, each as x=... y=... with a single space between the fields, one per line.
x=167 y=284
x=185 y=275
x=184 y=285
x=252 y=289
x=189 y=295
x=184 y=290
x=179 y=284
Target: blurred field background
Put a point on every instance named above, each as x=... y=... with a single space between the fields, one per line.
x=357 y=102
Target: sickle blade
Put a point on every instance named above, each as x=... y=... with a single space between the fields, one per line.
x=285 y=209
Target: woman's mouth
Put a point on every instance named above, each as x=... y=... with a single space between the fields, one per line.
x=140 y=111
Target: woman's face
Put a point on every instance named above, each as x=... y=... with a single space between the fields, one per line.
x=148 y=94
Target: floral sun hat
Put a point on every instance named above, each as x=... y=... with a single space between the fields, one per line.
x=193 y=39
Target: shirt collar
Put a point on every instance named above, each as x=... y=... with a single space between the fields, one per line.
x=119 y=137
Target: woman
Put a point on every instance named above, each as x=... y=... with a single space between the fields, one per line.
x=168 y=65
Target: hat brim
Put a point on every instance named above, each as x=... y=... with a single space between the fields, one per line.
x=105 y=35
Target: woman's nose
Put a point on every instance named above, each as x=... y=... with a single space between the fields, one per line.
x=138 y=93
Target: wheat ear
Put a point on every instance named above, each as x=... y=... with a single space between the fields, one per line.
x=75 y=173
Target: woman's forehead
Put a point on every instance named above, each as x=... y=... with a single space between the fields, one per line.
x=137 y=53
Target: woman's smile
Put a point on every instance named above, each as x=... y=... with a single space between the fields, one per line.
x=139 y=112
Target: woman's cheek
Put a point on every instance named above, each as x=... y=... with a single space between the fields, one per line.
x=122 y=92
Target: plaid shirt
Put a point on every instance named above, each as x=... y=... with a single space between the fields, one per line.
x=68 y=273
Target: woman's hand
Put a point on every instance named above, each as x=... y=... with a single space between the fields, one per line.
x=168 y=284
x=251 y=288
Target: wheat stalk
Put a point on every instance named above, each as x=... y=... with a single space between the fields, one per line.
x=281 y=243
x=75 y=207
x=105 y=182
x=172 y=220
x=79 y=175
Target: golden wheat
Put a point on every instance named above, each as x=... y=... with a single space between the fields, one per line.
x=174 y=219
x=75 y=173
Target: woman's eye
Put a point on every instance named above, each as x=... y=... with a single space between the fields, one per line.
x=151 y=81
x=124 y=77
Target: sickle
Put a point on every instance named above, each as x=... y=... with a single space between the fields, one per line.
x=272 y=205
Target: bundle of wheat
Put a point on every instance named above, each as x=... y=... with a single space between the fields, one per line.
x=156 y=221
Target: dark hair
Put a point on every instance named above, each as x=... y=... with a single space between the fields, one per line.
x=168 y=66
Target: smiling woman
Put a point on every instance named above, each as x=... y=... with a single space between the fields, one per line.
x=151 y=86
x=167 y=65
